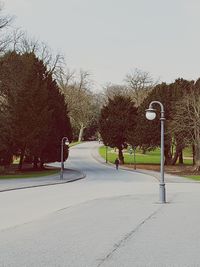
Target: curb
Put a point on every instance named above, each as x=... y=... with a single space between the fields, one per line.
x=82 y=176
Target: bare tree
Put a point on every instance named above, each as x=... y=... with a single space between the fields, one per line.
x=79 y=99
x=84 y=81
x=22 y=43
x=5 y=22
x=111 y=90
x=65 y=77
x=186 y=121
x=139 y=84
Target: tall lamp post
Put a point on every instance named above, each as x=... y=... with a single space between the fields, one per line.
x=134 y=149
x=151 y=115
x=64 y=140
x=106 y=153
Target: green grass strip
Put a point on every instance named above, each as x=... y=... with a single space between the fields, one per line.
x=150 y=157
x=194 y=177
x=31 y=174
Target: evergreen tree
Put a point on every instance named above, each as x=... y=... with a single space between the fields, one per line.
x=59 y=126
x=36 y=108
x=117 y=119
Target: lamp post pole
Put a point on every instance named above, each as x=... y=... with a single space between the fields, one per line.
x=106 y=153
x=134 y=148
x=150 y=114
x=62 y=160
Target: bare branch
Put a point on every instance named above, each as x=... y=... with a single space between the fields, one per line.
x=139 y=84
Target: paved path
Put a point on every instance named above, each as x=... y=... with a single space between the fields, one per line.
x=169 y=178
x=110 y=218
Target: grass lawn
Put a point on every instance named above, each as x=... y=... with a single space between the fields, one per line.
x=152 y=157
x=29 y=174
x=194 y=177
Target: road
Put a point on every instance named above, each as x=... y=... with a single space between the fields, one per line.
x=110 y=218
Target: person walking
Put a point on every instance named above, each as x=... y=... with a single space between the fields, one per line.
x=117 y=163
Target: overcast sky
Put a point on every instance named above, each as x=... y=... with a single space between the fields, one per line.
x=110 y=38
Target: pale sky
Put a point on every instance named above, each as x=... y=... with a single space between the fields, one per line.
x=109 y=38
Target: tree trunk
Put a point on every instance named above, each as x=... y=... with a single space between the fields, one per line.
x=35 y=163
x=181 y=157
x=144 y=150
x=21 y=158
x=41 y=164
x=193 y=154
x=197 y=156
x=168 y=154
x=81 y=133
x=41 y=161
x=120 y=155
x=176 y=156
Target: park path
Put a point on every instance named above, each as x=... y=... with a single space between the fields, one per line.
x=110 y=218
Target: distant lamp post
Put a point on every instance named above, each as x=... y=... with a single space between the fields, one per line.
x=107 y=126
x=66 y=141
x=106 y=153
x=151 y=115
x=134 y=150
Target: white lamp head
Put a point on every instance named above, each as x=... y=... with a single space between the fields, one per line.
x=150 y=114
x=67 y=142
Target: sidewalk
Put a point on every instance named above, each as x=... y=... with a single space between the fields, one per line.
x=69 y=175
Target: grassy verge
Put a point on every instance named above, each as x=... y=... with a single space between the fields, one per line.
x=29 y=174
x=74 y=143
x=194 y=177
x=152 y=157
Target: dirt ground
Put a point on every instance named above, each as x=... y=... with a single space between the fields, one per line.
x=177 y=169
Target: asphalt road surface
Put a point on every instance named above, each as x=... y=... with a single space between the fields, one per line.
x=110 y=218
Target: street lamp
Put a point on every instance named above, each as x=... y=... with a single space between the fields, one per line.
x=151 y=115
x=107 y=126
x=106 y=153
x=134 y=149
x=64 y=140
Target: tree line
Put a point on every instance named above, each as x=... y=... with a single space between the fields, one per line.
x=122 y=120
x=34 y=115
x=41 y=101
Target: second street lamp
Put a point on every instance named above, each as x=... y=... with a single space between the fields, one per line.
x=151 y=115
x=106 y=153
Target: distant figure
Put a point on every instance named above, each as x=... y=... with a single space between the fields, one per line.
x=117 y=163
x=99 y=141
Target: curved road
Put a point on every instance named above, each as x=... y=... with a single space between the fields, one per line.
x=110 y=218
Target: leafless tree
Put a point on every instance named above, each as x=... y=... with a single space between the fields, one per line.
x=186 y=121
x=66 y=77
x=22 y=43
x=111 y=90
x=139 y=84
x=79 y=98
x=5 y=22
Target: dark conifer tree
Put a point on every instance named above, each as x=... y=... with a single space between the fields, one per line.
x=36 y=108
x=117 y=119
